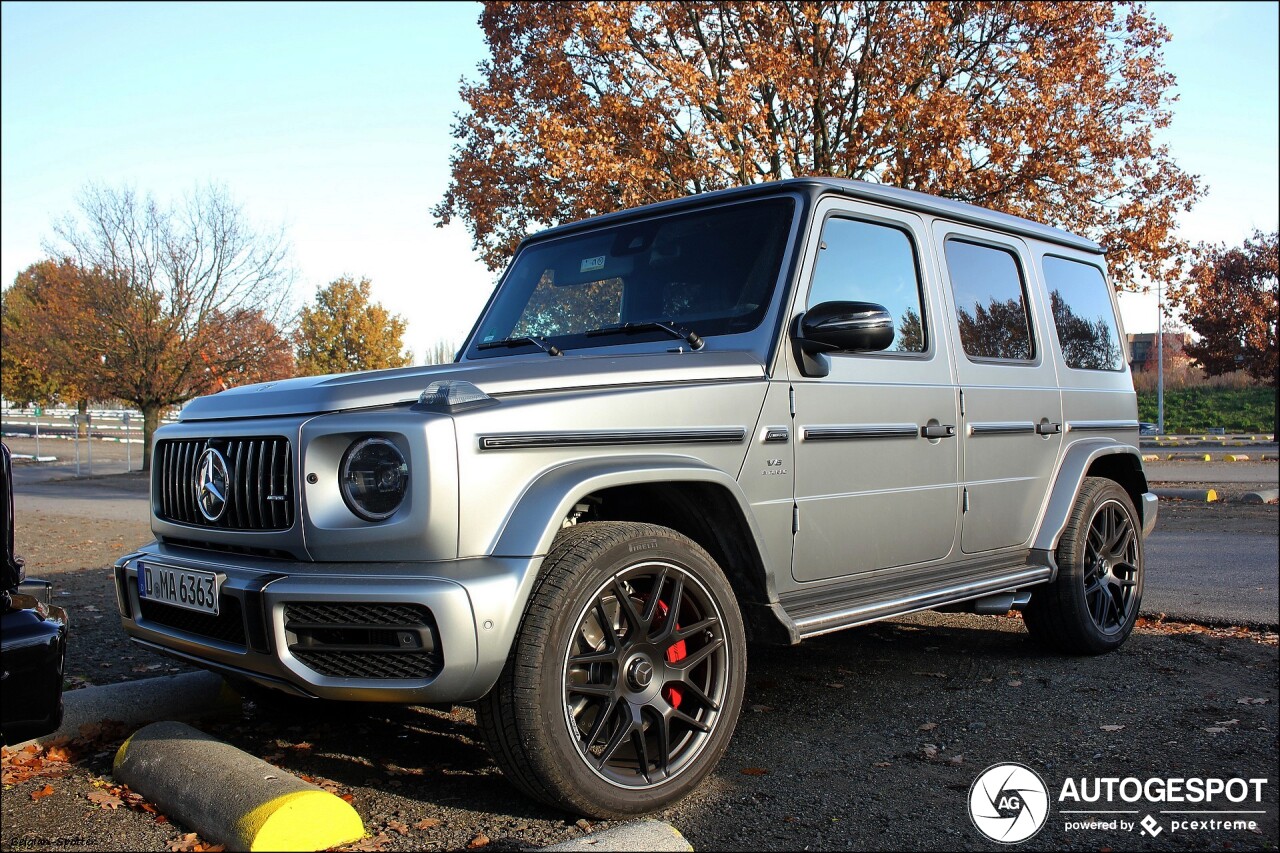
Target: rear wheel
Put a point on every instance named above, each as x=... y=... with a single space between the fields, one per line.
x=625 y=681
x=1093 y=604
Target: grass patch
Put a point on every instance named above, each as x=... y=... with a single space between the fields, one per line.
x=1195 y=410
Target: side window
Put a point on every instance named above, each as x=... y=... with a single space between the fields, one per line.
x=867 y=262
x=1083 y=315
x=991 y=302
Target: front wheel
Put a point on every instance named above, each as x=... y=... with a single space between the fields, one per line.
x=625 y=681
x=1093 y=604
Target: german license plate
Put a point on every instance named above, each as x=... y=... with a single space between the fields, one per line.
x=189 y=589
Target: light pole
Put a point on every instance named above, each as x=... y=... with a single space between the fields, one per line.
x=1160 y=359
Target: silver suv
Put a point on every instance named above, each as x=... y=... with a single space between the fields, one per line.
x=760 y=414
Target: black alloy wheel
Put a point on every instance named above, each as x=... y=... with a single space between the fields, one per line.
x=1092 y=605
x=623 y=685
x=646 y=675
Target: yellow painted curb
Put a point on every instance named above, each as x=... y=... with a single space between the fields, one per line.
x=303 y=820
x=1210 y=495
x=1151 y=457
x=1235 y=457
x=1190 y=457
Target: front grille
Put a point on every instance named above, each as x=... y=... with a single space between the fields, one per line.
x=259 y=490
x=353 y=639
x=227 y=626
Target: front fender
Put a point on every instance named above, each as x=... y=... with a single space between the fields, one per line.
x=542 y=507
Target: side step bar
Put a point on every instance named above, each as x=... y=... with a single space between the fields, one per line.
x=996 y=590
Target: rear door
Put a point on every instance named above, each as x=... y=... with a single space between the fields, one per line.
x=1011 y=406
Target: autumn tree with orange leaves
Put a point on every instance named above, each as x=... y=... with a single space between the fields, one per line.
x=1232 y=305
x=35 y=367
x=1045 y=110
x=157 y=305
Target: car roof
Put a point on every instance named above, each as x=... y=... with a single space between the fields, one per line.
x=862 y=190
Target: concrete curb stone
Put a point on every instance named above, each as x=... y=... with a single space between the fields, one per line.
x=636 y=836
x=186 y=696
x=229 y=796
x=1205 y=495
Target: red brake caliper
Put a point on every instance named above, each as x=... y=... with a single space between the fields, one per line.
x=676 y=653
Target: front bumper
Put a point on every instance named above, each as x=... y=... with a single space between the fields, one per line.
x=473 y=609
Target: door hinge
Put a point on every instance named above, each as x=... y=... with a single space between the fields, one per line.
x=791 y=397
x=795 y=519
x=965 y=501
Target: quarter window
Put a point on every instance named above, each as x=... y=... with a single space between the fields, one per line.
x=866 y=262
x=1082 y=314
x=991 y=302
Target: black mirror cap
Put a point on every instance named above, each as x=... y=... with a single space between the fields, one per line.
x=846 y=327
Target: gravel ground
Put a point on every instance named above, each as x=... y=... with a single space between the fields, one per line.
x=869 y=738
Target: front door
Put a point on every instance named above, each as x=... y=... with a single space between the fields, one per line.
x=871 y=491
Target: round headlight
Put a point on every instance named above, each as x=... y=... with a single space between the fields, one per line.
x=374 y=478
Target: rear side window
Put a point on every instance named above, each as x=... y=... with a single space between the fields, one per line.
x=991 y=302
x=866 y=262
x=1083 y=315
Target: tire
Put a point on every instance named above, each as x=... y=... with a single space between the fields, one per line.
x=625 y=680
x=1093 y=604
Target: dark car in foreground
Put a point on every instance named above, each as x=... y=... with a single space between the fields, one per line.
x=33 y=639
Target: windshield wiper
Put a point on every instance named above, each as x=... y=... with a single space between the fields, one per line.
x=691 y=338
x=549 y=349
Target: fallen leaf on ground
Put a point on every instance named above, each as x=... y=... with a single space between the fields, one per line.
x=1112 y=728
x=397 y=826
x=1226 y=722
x=481 y=840
x=105 y=799
x=932 y=674
x=42 y=793
x=1247 y=701
x=927 y=727
x=754 y=771
x=1015 y=683
x=882 y=764
x=956 y=760
x=426 y=823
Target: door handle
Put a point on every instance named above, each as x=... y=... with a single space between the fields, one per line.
x=938 y=431
x=1045 y=427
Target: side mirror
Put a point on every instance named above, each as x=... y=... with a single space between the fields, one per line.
x=840 y=327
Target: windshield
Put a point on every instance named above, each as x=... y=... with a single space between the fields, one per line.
x=706 y=272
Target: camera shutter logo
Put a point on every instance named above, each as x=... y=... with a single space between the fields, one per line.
x=211 y=485
x=1009 y=803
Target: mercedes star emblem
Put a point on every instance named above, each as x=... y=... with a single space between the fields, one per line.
x=211 y=485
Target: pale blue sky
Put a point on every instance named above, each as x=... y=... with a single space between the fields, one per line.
x=333 y=120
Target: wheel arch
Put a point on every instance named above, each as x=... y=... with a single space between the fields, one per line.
x=1093 y=458
x=681 y=493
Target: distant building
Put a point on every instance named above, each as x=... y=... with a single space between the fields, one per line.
x=1144 y=350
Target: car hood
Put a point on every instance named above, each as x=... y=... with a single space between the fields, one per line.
x=497 y=377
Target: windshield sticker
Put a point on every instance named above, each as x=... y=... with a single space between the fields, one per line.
x=592 y=264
